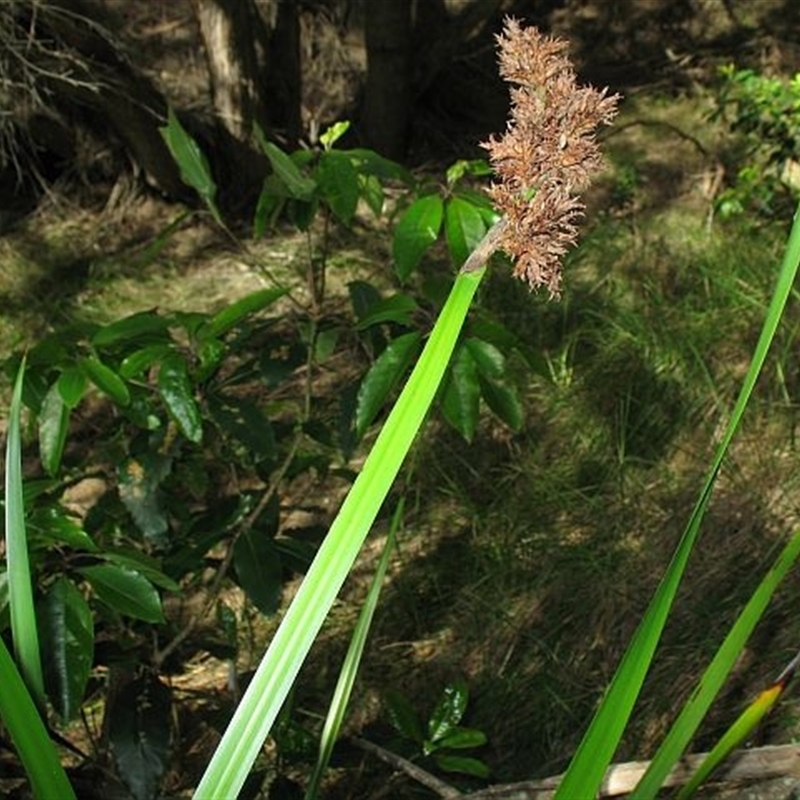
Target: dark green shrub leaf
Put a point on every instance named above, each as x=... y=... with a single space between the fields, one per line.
x=178 y=395
x=478 y=167
x=125 y=590
x=71 y=386
x=298 y=185
x=461 y=396
x=398 y=308
x=53 y=424
x=271 y=201
x=416 y=232
x=363 y=296
x=371 y=190
x=449 y=711
x=244 y=421
x=338 y=182
x=139 y=732
x=145 y=324
x=226 y=319
x=403 y=717
x=191 y=161
x=258 y=569
x=139 y=480
x=504 y=402
x=106 y=380
x=139 y=361
x=462 y=764
x=368 y=162
x=382 y=377
x=490 y=361
x=145 y=565
x=66 y=633
x=52 y=524
x=464 y=227
x=462 y=738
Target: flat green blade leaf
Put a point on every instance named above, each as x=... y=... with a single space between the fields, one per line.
x=415 y=233
x=461 y=396
x=139 y=480
x=191 y=161
x=125 y=590
x=449 y=711
x=68 y=634
x=229 y=317
x=464 y=228
x=382 y=378
x=177 y=393
x=585 y=772
x=142 y=325
x=20 y=590
x=258 y=569
x=338 y=181
x=139 y=732
x=106 y=380
x=53 y=426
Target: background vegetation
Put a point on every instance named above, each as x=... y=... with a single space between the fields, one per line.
x=527 y=554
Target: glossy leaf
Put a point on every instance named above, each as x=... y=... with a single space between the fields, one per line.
x=145 y=565
x=106 y=380
x=139 y=732
x=145 y=324
x=460 y=738
x=53 y=426
x=461 y=396
x=338 y=182
x=139 y=361
x=258 y=569
x=417 y=230
x=53 y=524
x=382 y=378
x=67 y=633
x=72 y=386
x=177 y=393
x=298 y=185
x=229 y=317
x=489 y=359
x=126 y=591
x=464 y=228
x=449 y=711
x=139 y=480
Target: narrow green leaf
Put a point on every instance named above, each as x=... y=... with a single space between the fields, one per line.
x=258 y=569
x=415 y=233
x=177 y=393
x=53 y=426
x=449 y=711
x=191 y=161
x=462 y=764
x=338 y=182
x=30 y=738
x=461 y=396
x=125 y=590
x=382 y=377
x=585 y=772
x=106 y=380
x=68 y=634
x=230 y=316
x=464 y=228
x=695 y=709
x=298 y=185
x=142 y=325
x=272 y=681
x=20 y=590
x=349 y=670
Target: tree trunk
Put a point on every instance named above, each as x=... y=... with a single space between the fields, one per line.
x=387 y=100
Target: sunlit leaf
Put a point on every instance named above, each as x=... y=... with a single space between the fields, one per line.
x=415 y=233
x=298 y=185
x=331 y=135
x=53 y=425
x=125 y=590
x=464 y=227
x=106 y=380
x=449 y=711
x=230 y=316
x=71 y=386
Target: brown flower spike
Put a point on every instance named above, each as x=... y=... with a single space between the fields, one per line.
x=547 y=156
